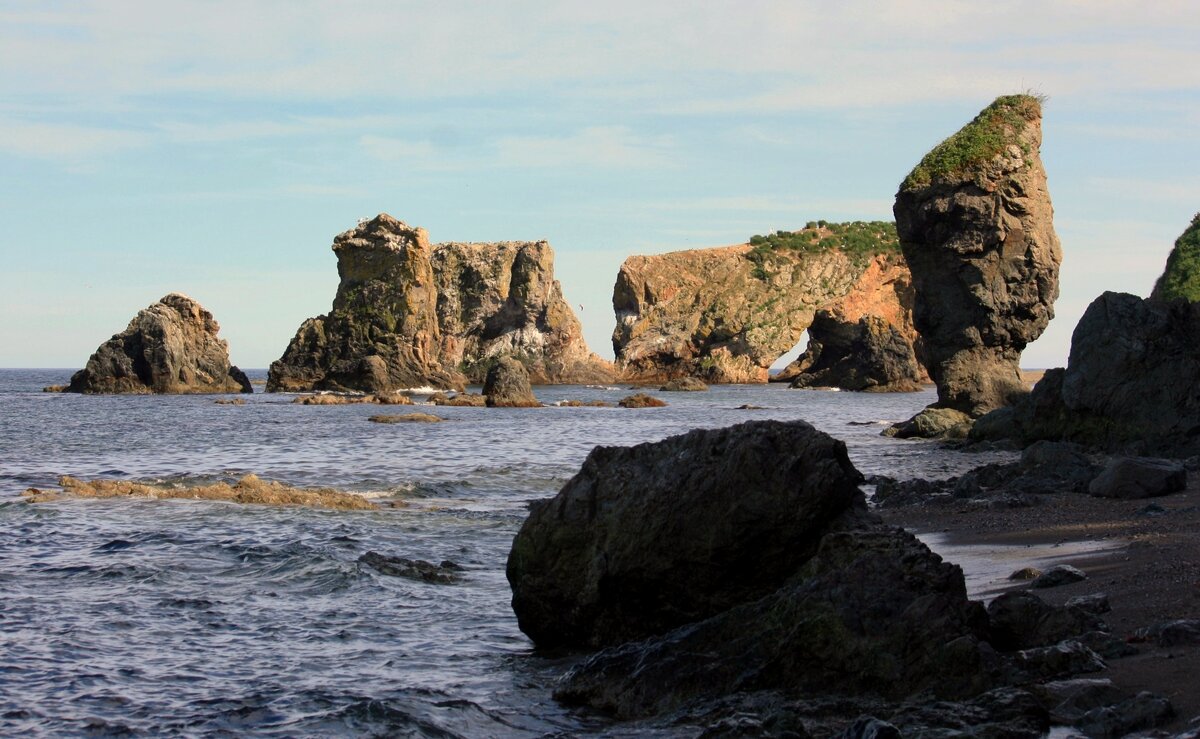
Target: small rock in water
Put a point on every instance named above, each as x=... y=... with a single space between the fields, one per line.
x=641 y=400
x=414 y=569
x=1025 y=573
x=749 y=407
x=407 y=418
x=685 y=384
x=1058 y=575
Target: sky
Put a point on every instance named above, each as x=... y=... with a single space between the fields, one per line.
x=215 y=148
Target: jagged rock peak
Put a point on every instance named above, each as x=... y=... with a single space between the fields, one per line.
x=976 y=226
x=168 y=347
x=1181 y=278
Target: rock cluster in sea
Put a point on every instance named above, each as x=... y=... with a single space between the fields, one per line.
x=734 y=579
x=726 y=314
x=411 y=314
x=975 y=223
x=169 y=347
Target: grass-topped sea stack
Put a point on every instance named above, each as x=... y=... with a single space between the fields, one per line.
x=1181 y=278
x=976 y=226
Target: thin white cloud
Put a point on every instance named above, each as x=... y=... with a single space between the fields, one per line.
x=64 y=141
x=607 y=147
x=1186 y=191
x=392 y=149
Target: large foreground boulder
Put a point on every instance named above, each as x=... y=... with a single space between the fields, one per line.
x=650 y=537
x=873 y=612
x=976 y=227
x=1132 y=382
x=169 y=347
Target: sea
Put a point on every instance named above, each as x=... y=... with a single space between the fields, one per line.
x=126 y=617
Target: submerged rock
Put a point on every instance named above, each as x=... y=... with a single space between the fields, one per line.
x=976 y=226
x=650 y=537
x=248 y=490
x=727 y=314
x=407 y=418
x=447 y=573
x=641 y=400
x=507 y=385
x=169 y=347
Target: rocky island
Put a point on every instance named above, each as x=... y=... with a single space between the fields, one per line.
x=976 y=227
x=169 y=347
x=727 y=314
x=411 y=314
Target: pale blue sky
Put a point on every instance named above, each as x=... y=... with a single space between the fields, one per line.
x=215 y=148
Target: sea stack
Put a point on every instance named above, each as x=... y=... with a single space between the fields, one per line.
x=725 y=315
x=169 y=347
x=1181 y=278
x=975 y=224
x=501 y=299
x=382 y=333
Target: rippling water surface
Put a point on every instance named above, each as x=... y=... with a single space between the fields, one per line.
x=180 y=617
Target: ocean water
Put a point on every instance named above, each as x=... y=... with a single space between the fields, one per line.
x=190 y=618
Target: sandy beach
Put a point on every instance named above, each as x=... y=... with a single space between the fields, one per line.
x=1146 y=560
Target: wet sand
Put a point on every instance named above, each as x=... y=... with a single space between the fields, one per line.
x=1147 y=564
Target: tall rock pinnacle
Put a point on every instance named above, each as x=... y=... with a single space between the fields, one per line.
x=976 y=226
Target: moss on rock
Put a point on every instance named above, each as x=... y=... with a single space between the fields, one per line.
x=1181 y=278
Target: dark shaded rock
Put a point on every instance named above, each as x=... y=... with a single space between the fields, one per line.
x=1008 y=713
x=1021 y=620
x=1143 y=711
x=501 y=299
x=1025 y=573
x=684 y=384
x=1060 y=660
x=169 y=347
x=1068 y=700
x=1130 y=478
x=1171 y=633
x=507 y=385
x=1132 y=382
x=470 y=400
x=873 y=612
x=641 y=400
x=382 y=332
x=1058 y=575
x=976 y=227
x=446 y=573
x=1096 y=603
x=1106 y=645
x=650 y=537
x=869 y=727
x=869 y=355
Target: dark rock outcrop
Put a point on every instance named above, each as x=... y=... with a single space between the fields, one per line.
x=684 y=385
x=869 y=355
x=727 y=314
x=169 y=347
x=411 y=314
x=501 y=299
x=873 y=612
x=641 y=400
x=650 y=537
x=976 y=226
x=1131 y=478
x=1181 y=277
x=1021 y=620
x=1132 y=383
x=383 y=331
x=446 y=573
x=507 y=385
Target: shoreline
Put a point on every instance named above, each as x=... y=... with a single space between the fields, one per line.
x=1147 y=563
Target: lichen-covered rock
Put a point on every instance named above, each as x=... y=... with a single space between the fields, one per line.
x=1132 y=382
x=646 y=538
x=684 y=385
x=641 y=400
x=933 y=423
x=976 y=226
x=1181 y=278
x=727 y=314
x=507 y=385
x=382 y=332
x=874 y=612
x=869 y=355
x=169 y=347
x=501 y=299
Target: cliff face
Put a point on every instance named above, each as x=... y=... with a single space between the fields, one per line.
x=383 y=331
x=169 y=347
x=976 y=226
x=408 y=314
x=501 y=299
x=1181 y=278
x=727 y=314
